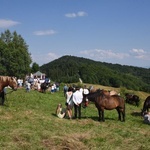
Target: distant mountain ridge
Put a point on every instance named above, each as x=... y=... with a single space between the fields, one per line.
x=69 y=69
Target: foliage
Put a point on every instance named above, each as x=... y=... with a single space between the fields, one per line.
x=28 y=121
x=35 y=67
x=70 y=68
x=123 y=91
x=15 y=59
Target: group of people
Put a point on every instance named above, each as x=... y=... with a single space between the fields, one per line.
x=35 y=83
x=74 y=97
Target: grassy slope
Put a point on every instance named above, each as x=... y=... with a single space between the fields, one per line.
x=28 y=121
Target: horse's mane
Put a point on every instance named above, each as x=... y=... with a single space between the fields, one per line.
x=93 y=95
x=99 y=93
x=4 y=78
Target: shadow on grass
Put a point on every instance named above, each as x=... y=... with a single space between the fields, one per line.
x=53 y=114
x=136 y=113
x=95 y=118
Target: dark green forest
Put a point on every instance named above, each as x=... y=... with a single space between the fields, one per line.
x=69 y=69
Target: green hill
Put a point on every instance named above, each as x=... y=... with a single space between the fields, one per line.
x=69 y=69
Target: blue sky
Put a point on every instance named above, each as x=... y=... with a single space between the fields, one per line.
x=113 y=31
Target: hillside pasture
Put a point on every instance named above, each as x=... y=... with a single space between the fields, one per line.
x=28 y=121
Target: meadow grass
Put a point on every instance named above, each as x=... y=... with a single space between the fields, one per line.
x=28 y=121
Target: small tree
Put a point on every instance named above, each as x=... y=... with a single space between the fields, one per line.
x=35 y=67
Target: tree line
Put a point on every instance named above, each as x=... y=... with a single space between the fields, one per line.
x=69 y=69
x=15 y=60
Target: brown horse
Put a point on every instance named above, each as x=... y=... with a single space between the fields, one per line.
x=107 y=102
x=4 y=82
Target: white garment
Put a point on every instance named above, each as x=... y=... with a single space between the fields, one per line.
x=61 y=113
x=68 y=96
x=28 y=85
x=77 y=97
x=81 y=90
x=52 y=88
x=38 y=86
x=85 y=91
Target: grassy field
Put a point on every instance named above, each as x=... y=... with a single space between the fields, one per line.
x=28 y=122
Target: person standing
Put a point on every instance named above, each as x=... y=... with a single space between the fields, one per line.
x=28 y=87
x=38 y=86
x=65 y=89
x=77 y=99
x=52 y=88
x=69 y=102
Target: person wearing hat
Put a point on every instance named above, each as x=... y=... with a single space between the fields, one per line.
x=77 y=99
x=85 y=90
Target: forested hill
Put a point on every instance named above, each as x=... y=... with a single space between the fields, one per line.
x=69 y=69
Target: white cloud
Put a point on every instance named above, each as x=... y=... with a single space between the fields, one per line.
x=46 y=32
x=104 y=54
x=71 y=15
x=78 y=14
x=81 y=14
x=137 y=50
x=140 y=54
x=129 y=58
x=135 y=57
x=7 y=23
x=44 y=58
x=52 y=56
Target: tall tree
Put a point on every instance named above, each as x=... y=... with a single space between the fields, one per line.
x=15 y=59
x=35 y=67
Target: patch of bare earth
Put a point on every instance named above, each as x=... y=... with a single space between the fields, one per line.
x=67 y=142
x=6 y=116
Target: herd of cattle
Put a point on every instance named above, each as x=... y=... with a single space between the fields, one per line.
x=11 y=82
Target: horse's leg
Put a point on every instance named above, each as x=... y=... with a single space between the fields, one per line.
x=119 y=113
x=136 y=102
x=103 y=119
x=100 y=115
x=123 y=114
x=3 y=97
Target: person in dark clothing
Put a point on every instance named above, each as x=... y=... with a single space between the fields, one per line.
x=77 y=99
x=65 y=89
